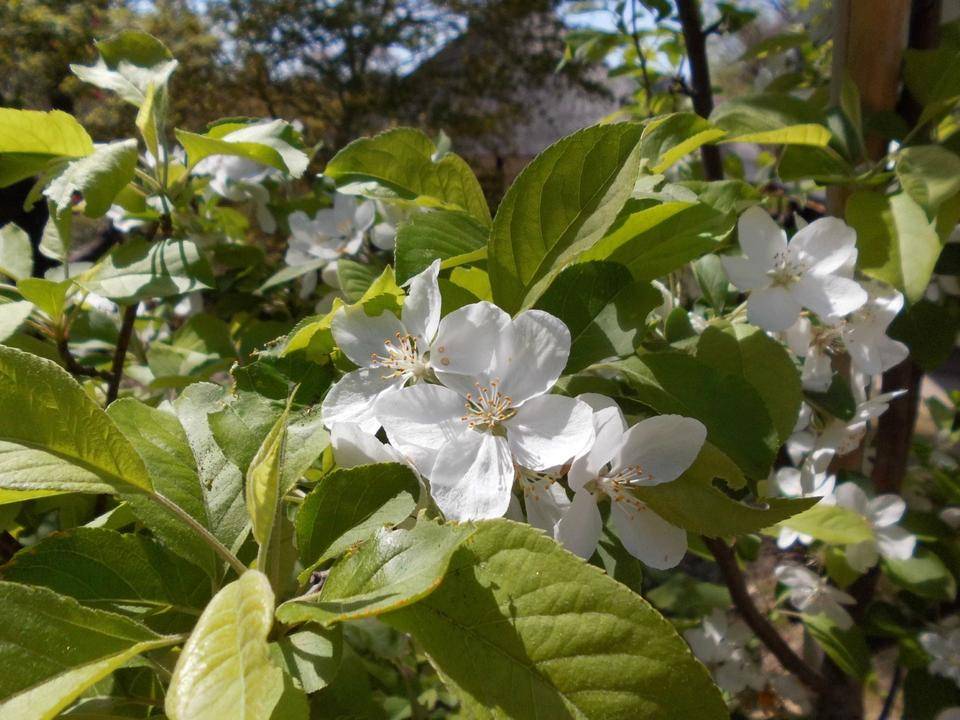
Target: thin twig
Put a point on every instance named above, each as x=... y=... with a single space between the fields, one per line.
x=757 y=621
x=891 y=694
x=120 y=354
x=74 y=367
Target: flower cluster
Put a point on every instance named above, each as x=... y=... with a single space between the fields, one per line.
x=466 y=400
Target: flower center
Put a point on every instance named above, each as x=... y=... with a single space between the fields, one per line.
x=488 y=408
x=402 y=357
x=787 y=269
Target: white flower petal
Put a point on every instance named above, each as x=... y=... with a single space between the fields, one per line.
x=830 y=297
x=795 y=576
x=465 y=343
x=531 y=354
x=772 y=309
x=546 y=502
x=421 y=308
x=817 y=373
x=359 y=335
x=548 y=431
x=608 y=426
x=647 y=536
x=353 y=396
x=580 y=528
x=885 y=510
x=850 y=496
x=352 y=446
x=473 y=477
x=363 y=216
x=760 y=237
x=419 y=420
x=895 y=543
x=788 y=482
x=662 y=447
x=827 y=243
x=745 y=273
x=383 y=235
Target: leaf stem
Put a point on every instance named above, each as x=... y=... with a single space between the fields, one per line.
x=208 y=537
x=758 y=623
x=120 y=354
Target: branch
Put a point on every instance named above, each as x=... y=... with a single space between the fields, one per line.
x=120 y=354
x=758 y=623
x=702 y=94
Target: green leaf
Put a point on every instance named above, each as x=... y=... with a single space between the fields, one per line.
x=804 y=134
x=225 y=668
x=160 y=440
x=52 y=649
x=349 y=505
x=838 y=400
x=694 y=503
x=263 y=480
x=131 y=574
x=47 y=295
x=683 y=596
x=199 y=348
x=603 y=308
x=897 y=243
x=139 y=270
x=832 y=524
x=930 y=174
x=442 y=234
x=31 y=141
x=12 y=316
x=735 y=415
x=930 y=330
x=97 y=178
x=130 y=63
x=399 y=165
x=356 y=278
x=558 y=207
x=515 y=604
x=924 y=575
x=391 y=570
x=292 y=272
x=311 y=657
x=750 y=353
x=761 y=114
x=63 y=438
x=16 y=254
x=847 y=648
x=712 y=281
x=267 y=143
x=668 y=138
x=653 y=240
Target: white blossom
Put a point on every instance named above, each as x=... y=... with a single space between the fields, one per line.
x=654 y=451
x=943 y=647
x=784 y=277
x=389 y=351
x=332 y=233
x=492 y=412
x=354 y=446
x=882 y=514
x=841 y=436
x=811 y=480
x=720 y=644
x=812 y=594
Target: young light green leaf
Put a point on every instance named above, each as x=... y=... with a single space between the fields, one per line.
x=96 y=178
x=138 y=270
x=391 y=570
x=129 y=64
x=803 y=134
x=514 y=603
x=263 y=480
x=16 y=255
x=446 y=235
x=45 y=412
x=558 y=207
x=349 y=505
x=225 y=668
x=32 y=141
x=847 y=648
x=604 y=309
x=311 y=656
x=668 y=138
x=764 y=115
x=267 y=143
x=897 y=243
x=924 y=575
x=131 y=574
x=12 y=316
x=930 y=174
x=47 y=295
x=831 y=524
x=52 y=649
x=399 y=165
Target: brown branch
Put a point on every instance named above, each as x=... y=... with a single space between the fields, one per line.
x=757 y=621
x=120 y=354
x=702 y=94
x=74 y=367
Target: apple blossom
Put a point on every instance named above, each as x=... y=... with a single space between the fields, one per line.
x=784 y=277
x=811 y=480
x=841 y=436
x=812 y=594
x=882 y=513
x=492 y=413
x=654 y=451
x=943 y=647
x=389 y=351
x=331 y=233
x=353 y=446
x=720 y=644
